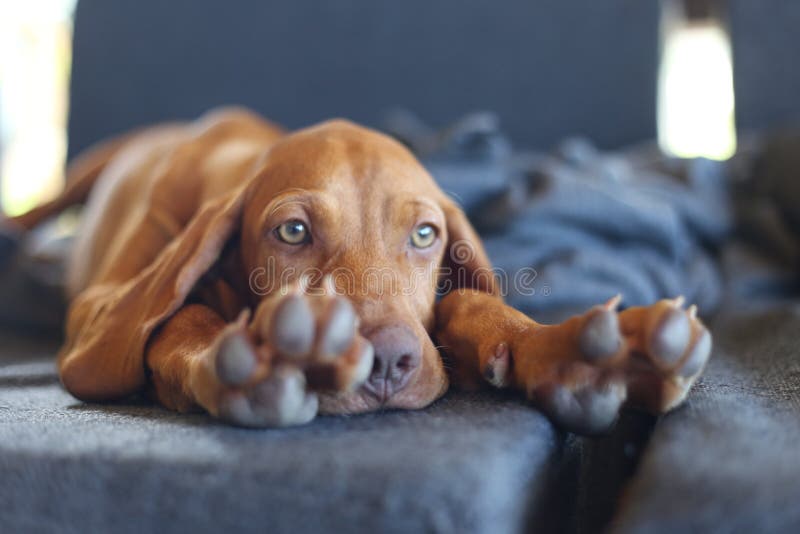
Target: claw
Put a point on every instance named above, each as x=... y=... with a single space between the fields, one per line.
x=678 y=301
x=613 y=303
x=496 y=370
x=692 y=311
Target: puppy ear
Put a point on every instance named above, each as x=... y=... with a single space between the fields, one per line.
x=109 y=325
x=465 y=263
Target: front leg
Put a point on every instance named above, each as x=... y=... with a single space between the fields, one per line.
x=579 y=372
x=264 y=371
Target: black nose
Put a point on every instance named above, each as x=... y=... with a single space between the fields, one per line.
x=397 y=355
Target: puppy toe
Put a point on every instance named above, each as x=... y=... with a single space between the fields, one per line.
x=669 y=336
x=698 y=355
x=235 y=360
x=600 y=408
x=345 y=373
x=363 y=367
x=587 y=411
x=338 y=329
x=600 y=337
x=234 y=407
x=559 y=404
x=282 y=399
x=292 y=327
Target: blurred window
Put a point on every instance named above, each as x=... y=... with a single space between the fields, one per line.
x=35 y=51
x=695 y=82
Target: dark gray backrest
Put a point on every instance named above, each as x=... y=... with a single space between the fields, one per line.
x=766 y=62
x=549 y=68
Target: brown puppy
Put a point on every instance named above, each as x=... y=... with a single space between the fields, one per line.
x=264 y=278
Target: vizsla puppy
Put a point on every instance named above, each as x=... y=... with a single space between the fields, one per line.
x=264 y=278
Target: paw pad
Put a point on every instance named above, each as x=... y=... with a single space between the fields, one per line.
x=669 y=337
x=280 y=400
x=292 y=326
x=235 y=362
x=268 y=374
x=600 y=338
x=338 y=333
x=698 y=355
x=591 y=409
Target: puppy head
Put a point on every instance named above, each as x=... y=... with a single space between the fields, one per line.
x=341 y=200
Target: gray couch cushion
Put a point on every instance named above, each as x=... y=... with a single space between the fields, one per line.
x=729 y=460
x=470 y=463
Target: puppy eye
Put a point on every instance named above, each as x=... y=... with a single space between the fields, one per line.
x=423 y=236
x=293 y=232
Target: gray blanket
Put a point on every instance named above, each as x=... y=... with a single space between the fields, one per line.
x=470 y=463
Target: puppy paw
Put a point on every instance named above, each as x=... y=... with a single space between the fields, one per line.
x=256 y=395
x=318 y=334
x=580 y=373
x=583 y=393
x=238 y=383
x=655 y=353
x=568 y=370
x=669 y=348
x=268 y=373
x=589 y=406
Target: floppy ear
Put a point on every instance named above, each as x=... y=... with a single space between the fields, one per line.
x=465 y=263
x=108 y=325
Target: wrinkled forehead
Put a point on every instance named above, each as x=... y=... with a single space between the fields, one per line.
x=346 y=160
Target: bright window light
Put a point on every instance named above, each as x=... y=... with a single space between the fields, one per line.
x=35 y=51
x=695 y=91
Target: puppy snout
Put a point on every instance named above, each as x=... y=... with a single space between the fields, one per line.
x=398 y=354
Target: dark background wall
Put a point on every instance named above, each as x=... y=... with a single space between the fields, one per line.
x=549 y=68
x=766 y=52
